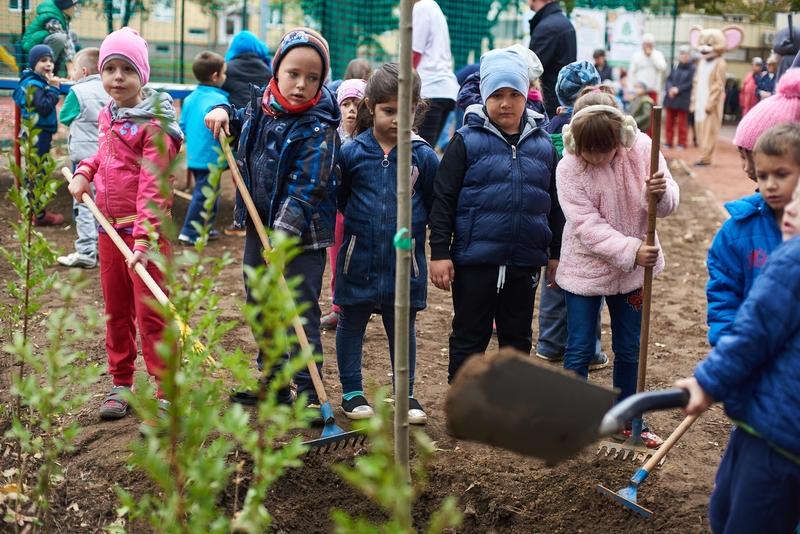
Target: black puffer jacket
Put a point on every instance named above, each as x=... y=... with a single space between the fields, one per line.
x=244 y=70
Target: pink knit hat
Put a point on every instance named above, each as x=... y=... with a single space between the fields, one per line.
x=784 y=106
x=350 y=89
x=126 y=44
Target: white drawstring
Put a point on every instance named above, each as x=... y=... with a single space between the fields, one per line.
x=501 y=278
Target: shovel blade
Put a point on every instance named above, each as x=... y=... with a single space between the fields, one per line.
x=508 y=400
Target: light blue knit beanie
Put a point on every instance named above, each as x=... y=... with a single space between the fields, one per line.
x=503 y=68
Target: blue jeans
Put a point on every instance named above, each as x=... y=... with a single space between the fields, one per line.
x=350 y=341
x=194 y=212
x=757 y=489
x=553 y=324
x=626 y=321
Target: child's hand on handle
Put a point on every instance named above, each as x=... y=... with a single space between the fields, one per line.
x=647 y=256
x=138 y=257
x=699 y=400
x=657 y=185
x=442 y=273
x=550 y=273
x=217 y=121
x=78 y=186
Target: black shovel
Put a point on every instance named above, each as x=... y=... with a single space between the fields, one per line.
x=508 y=400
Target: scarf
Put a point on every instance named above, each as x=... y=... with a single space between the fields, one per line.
x=274 y=103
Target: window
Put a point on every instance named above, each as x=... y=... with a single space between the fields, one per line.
x=164 y=10
x=13 y=5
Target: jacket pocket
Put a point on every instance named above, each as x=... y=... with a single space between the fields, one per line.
x=348 y=256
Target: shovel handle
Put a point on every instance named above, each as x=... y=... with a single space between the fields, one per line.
x=637 y=404
x=297 y=323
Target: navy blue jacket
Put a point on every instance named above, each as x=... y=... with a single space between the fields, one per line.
x=287 y=164
x=765 y=82
x=365 y=266
x=554 y=42
x=755 y=370
x=45 y=99
x=503 y=207
x=680 y=77
x=736 y=257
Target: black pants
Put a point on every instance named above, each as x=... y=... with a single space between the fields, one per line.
x=477 y=302
x=309 y=265
x=435 y=117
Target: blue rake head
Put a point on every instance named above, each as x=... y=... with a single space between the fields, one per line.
x=626 y=497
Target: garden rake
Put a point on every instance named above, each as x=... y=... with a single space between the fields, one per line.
x=634 y=448
x=333 y=437
x=151 y=284
x=628 y=495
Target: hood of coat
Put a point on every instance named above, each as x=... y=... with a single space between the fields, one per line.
x=30 y=73
x=154 y=105
x=743 y=208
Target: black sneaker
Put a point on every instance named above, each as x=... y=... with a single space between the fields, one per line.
x=416 y=415
x=313 y=404
x=250 y=398
x=357 y=408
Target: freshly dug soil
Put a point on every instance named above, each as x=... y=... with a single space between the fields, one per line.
x=498 y=491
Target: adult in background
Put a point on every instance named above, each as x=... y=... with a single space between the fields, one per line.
x=786 y=45
x=603 y=68
x=747 y=96
x=553 y=41
x=248 y=63
x=765 y=84
x=430 y=43
x=648 y=66
x=678 y=97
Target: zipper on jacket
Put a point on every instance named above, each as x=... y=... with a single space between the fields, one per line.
x=347 y=256
x=513 y=151
x=414 y=257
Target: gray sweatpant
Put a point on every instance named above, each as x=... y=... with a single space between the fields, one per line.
x=86 y=227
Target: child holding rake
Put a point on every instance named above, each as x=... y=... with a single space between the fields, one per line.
x=755 y=370
x=130 y=127
x=603 y=187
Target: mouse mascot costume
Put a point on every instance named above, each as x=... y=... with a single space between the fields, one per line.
x=708 y=87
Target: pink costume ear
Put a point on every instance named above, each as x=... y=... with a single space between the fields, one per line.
x=733 y=37
x=694 y=36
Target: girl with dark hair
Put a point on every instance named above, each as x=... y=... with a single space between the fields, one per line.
x=365 y=266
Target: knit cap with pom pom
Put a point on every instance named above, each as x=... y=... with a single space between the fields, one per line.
x=784 y=106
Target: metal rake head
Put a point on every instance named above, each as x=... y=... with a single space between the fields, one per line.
x=625 y=451
x=626 y=497
x=336 y=442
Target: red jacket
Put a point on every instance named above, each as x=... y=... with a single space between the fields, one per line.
x=747 y=95
x=124 y=185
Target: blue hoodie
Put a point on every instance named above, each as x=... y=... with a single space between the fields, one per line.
x=736 y=257
x=45 y=99
x=200 y=142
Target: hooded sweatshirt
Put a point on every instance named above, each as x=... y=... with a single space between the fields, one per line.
x=49 y=19
x=125 y=185
x=248 y=62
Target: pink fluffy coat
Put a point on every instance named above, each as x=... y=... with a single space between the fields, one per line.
x=606 y=212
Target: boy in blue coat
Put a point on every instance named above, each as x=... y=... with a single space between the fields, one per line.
x=201 y=147
x=44 y=99
x=755 y=370
x=495 y=220
x=288 y=146
x=741 y=247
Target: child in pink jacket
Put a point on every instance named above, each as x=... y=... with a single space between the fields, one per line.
x=130 y=126
x=602 y=186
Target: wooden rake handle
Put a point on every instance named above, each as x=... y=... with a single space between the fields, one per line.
x=123 y=247
x=297 y=323
x=647 y=288
x=673 y=438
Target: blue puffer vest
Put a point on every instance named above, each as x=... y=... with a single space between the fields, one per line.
x=365 y=266
x=504 y=201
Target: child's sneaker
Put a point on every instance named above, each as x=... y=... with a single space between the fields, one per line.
x=313 y=404
x=329 y=321
x=48 y=219
x=76 y=259
x=148 y=425
x=236 y=231
x=599 y=361
x=115 y=405
x=550 y=359
x=650 y=439
x=416 y=415
x=357 y=408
